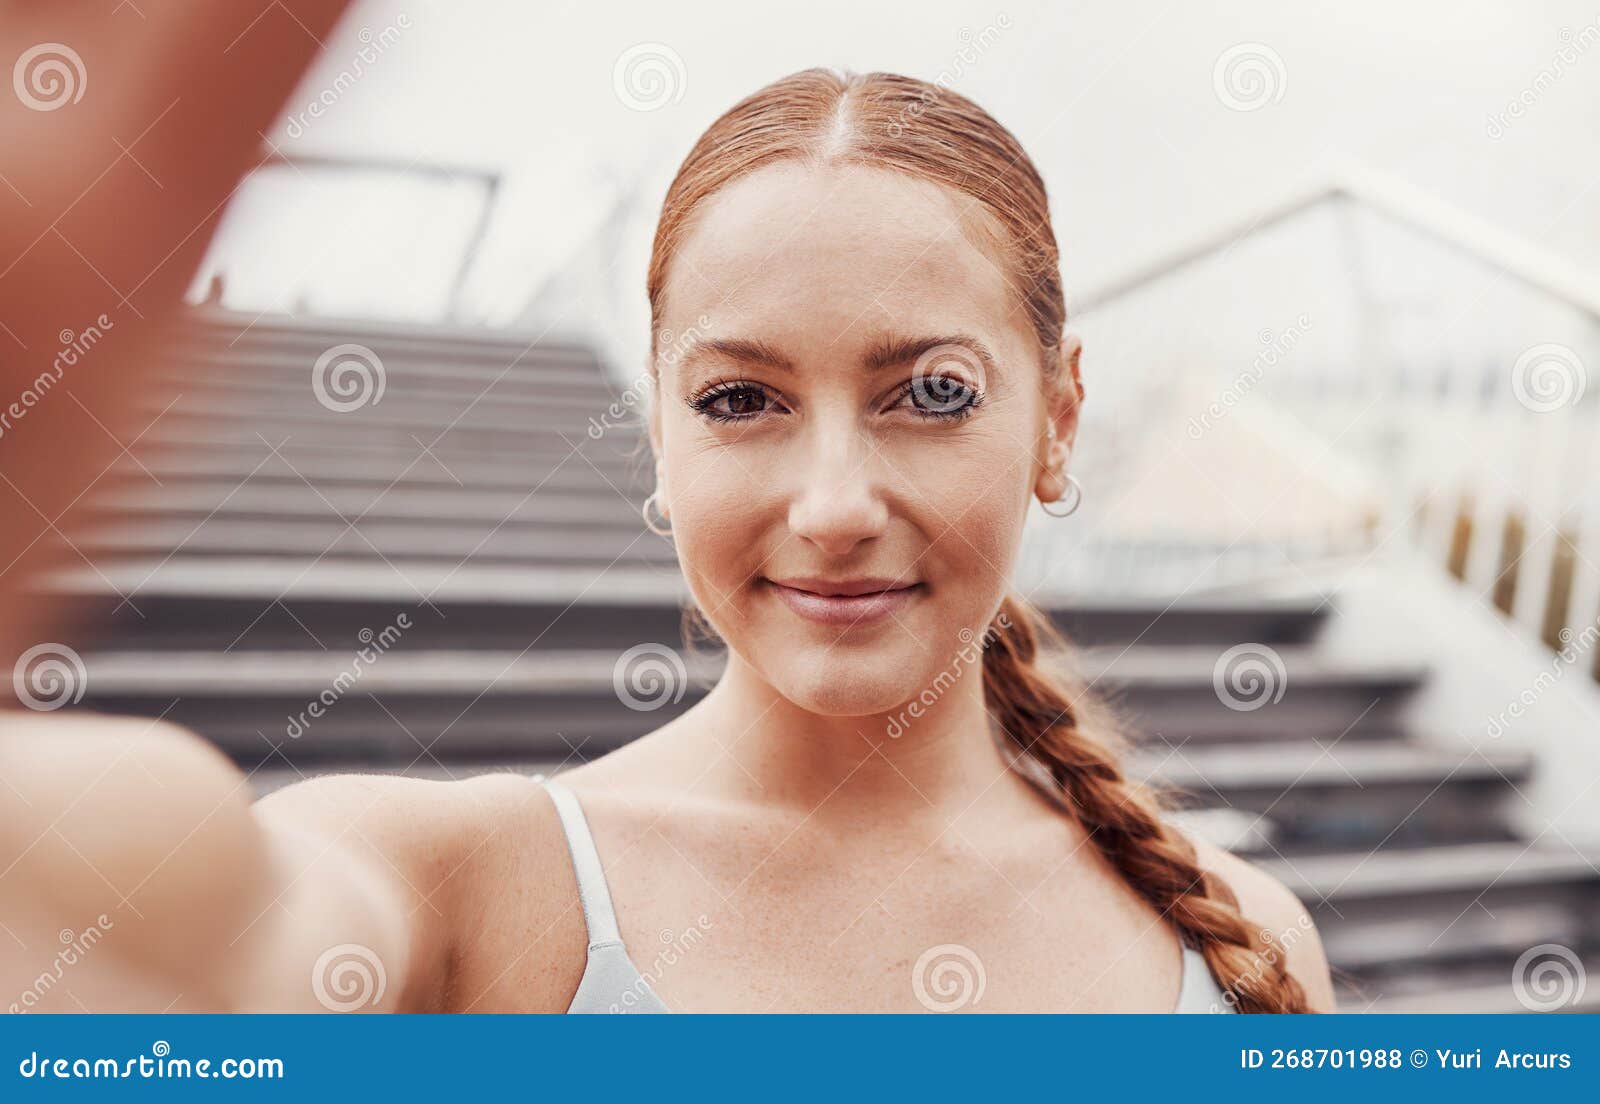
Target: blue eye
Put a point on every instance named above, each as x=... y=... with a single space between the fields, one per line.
x=940 y=395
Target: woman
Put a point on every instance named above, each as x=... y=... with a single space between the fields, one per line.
x=868 y=382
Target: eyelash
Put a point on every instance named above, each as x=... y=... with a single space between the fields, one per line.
x=704 y=403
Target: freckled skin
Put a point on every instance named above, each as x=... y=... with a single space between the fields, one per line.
x=838 y=486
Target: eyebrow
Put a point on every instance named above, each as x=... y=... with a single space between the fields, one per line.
x=889 y=351
x=884 y=353
x=747 y=350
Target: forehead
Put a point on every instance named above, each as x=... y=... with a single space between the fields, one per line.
x=825 y=257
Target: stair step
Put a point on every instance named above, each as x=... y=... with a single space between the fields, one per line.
x=1185 y=691
x=1269 y=619
x=191 y=468
x=600 y=505
x=556 y=405
x=1380 y=948
x=237 y=336
x=307 y=538
x=372 y=427
x=1483 y=994
x=1272 y=769
x=619 y=447
x=1347 y=793
x=1403 y=875
x=290 y=369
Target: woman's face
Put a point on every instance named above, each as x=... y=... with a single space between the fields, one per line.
x=852 y=418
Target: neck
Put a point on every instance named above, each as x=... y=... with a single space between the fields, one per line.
x=904 y=763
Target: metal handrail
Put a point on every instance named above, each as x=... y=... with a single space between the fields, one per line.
x=1515 y=256
x=487 y=178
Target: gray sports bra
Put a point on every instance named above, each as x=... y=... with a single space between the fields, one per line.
x=611 y=982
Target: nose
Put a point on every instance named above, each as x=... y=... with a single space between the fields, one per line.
x=838 y=502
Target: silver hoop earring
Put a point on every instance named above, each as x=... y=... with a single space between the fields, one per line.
x=650 y=524
x=1073 y=493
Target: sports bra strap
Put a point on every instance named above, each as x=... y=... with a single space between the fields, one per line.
x=598 y=914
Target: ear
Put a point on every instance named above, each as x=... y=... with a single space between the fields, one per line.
x=1064 y=398
x=653 y=425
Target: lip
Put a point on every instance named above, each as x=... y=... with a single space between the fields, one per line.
x=844 y=601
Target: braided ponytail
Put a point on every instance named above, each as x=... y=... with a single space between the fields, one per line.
x=1073 y=736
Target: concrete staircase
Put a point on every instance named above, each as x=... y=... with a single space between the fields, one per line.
x=476 y=526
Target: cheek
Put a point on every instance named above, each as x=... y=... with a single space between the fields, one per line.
x=721 y=506
x=968 y=492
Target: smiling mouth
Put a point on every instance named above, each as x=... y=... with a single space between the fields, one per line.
x=847 y=602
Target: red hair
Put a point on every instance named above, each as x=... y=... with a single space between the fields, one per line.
x=910 y=126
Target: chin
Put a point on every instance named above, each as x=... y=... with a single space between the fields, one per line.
x=835 y=683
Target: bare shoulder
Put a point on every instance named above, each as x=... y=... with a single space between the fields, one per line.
x=483 y=866
x=1268 y=903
